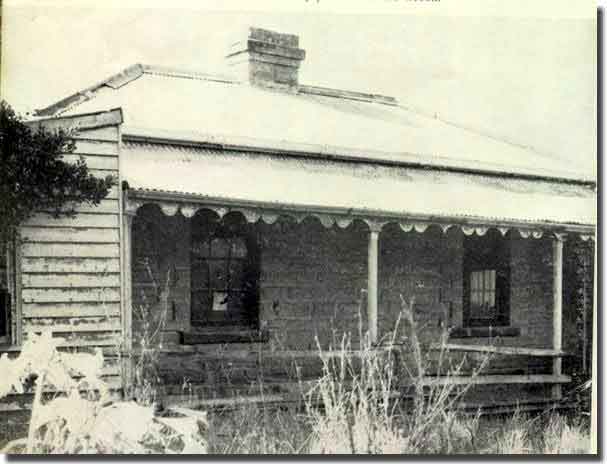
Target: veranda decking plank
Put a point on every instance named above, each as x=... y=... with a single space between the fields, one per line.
x=506 y=350
x=496 y=379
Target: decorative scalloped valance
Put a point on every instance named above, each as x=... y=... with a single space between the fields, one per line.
x=269 y=215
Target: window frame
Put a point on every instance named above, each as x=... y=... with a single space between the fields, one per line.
x=490 y=252
x=10 y=253
x=202 y=318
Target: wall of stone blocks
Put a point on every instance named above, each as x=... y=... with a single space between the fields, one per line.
x=427 y=269
x=531 y=292
x=311 y=284
x=161 y=269
x=578 y=303
x=313 y=281
x=424 y=270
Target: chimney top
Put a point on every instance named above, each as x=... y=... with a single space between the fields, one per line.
x=267 y=59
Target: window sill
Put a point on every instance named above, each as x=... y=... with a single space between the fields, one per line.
x=10 y=348
x=484 y=332
x=224 y=335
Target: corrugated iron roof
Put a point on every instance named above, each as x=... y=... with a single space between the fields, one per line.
x=156 y=100
x=319 y=183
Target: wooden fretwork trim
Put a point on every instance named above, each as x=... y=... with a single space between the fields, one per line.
x=172 y=203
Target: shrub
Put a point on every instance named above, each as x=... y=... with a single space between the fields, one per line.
x=35 y=177
x=80 y=416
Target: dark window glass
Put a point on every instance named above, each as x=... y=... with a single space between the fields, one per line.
x=224 y=272
x=486 y=281
x=5 y=296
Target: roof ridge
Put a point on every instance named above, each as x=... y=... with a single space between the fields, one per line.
x=186 y=74
x=115 y=81
x=133 y=72
x=128 y=74
x=347 y=94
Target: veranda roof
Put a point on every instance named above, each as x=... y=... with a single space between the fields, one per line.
x=309 y=184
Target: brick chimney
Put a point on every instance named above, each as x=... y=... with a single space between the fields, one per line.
x=267 y=59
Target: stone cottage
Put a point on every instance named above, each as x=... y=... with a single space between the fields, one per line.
x=256 y=214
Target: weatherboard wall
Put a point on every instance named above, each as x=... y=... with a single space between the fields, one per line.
x=70 y=266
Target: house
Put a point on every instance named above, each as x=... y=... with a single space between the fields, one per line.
x=256 y=214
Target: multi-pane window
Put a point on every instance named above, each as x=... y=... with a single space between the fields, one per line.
x=482 y=293
x=6 y=280
x=224 y=272
x=486 y=281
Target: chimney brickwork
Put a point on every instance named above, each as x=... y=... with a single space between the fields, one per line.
x=267 y=59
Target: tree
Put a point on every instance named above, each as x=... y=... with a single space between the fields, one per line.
x=34 y=177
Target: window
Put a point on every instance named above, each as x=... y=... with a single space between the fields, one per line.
x=6 y=293
x=224 y=272
x=486 y=281
x=482 y=293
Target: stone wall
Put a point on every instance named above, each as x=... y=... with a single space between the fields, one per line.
x=426 y=271
x=427 y=268
x=531 y=293
x=161 y=270
x=578 y=298
x=313 y=282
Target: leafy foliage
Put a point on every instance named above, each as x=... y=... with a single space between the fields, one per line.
x=81 y=417
x=34 y=176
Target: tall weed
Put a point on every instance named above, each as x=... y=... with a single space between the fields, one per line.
x=358 y=405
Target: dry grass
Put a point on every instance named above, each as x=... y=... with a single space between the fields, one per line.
x=144 y=356
x=271 y=430
x=357 y=407
x=259 y=429
x=547 y=433
x=354 y=408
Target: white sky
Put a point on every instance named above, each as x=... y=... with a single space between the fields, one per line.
x=530 y=80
